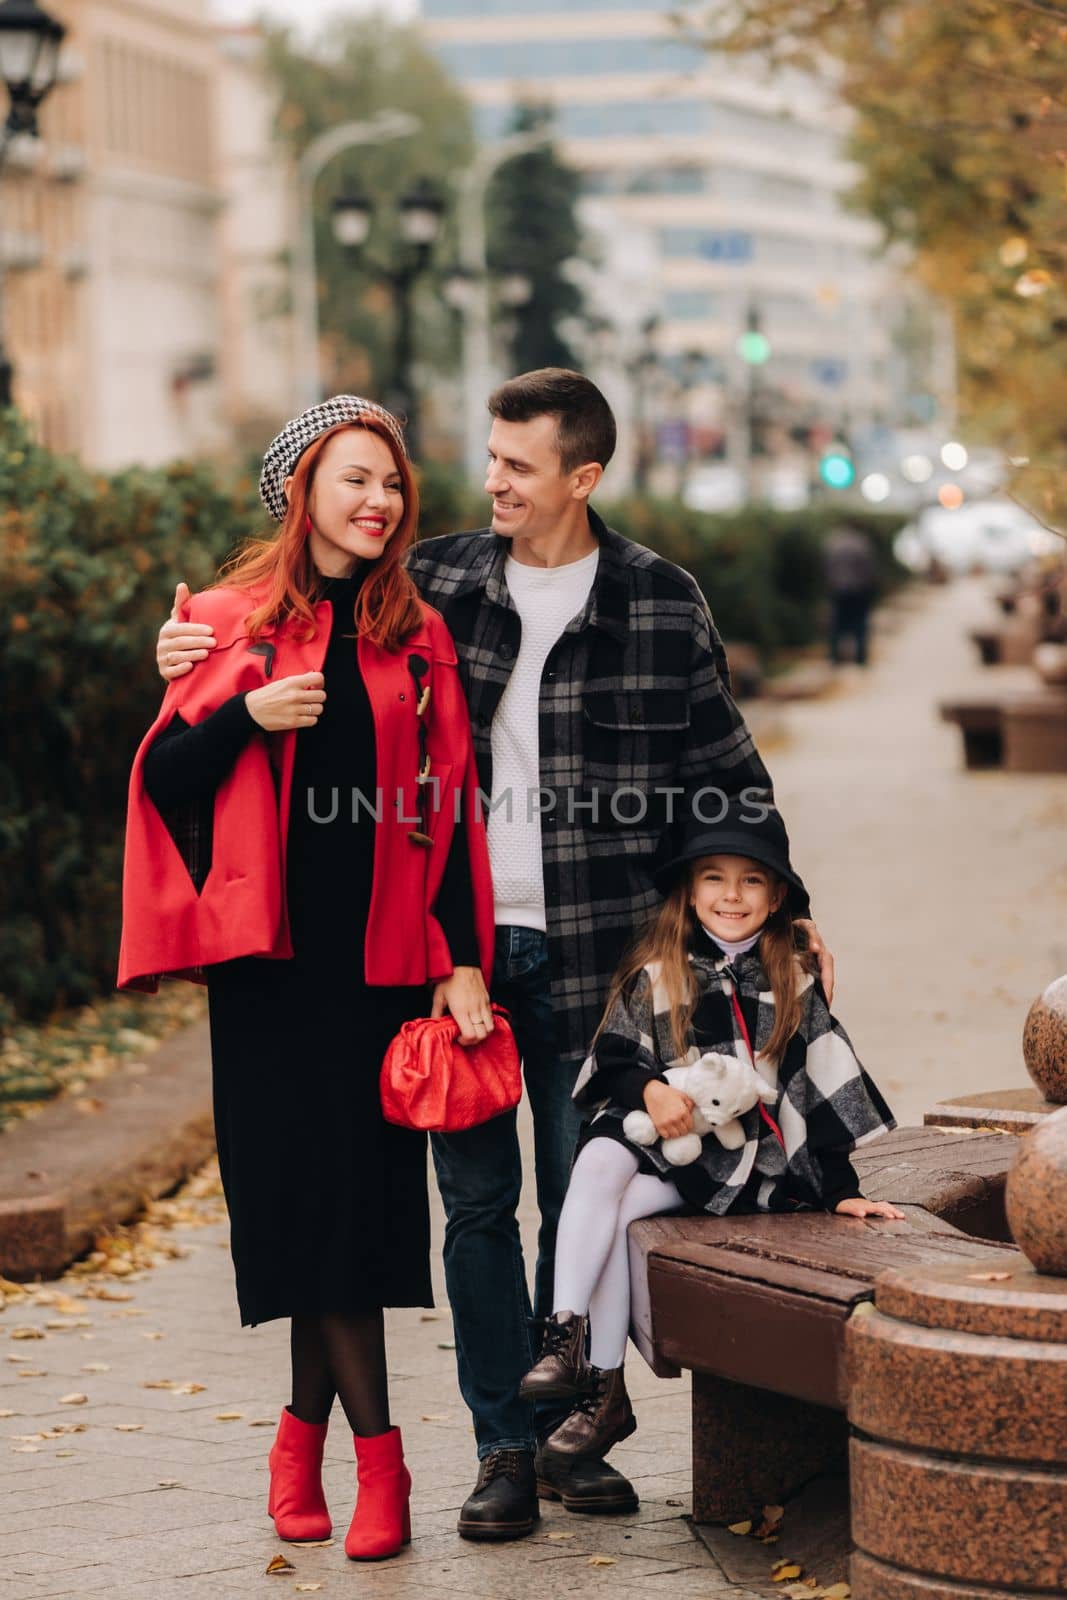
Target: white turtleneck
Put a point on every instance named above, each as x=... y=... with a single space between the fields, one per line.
x=733 y=947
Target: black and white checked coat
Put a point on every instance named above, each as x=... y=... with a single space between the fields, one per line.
x=635 y=699
x=826 y=1106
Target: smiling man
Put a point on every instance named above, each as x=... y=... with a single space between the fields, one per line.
x=599 y=695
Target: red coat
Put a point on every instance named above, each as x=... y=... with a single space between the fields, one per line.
x=170 y=929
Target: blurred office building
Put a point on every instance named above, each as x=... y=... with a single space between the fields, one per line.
x=737 y=178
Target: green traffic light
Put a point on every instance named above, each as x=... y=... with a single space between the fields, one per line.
x=836 y=470
x=753 y=348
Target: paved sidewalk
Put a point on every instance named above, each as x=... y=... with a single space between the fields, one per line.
x=943 y=894
x=164 y=1492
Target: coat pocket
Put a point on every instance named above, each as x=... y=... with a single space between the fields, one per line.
x=637 y=710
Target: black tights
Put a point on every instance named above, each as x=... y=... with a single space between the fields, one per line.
x=341 y=1355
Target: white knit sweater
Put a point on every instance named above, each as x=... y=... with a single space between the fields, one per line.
x=546 y=598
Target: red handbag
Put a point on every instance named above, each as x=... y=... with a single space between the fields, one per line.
x=431 y=1081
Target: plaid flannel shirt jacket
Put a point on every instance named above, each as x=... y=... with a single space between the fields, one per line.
x=635 y=710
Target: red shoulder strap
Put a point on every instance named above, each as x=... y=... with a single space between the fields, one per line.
x=743 y=1025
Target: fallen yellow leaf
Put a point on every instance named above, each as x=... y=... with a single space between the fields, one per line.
x=190 y=1388
x=601 y=1561
x=162 y=1383
x=32 y=1372
x=308 y=1588
x=560 y=1536
x=26 y=1333
x=96 y=1366
x=316 y=1544
x=74 y=1400
x=278 y=1564
x=61 y=1453
x=740 y=1528
x=27 y=1449
x=7 y=1413
x=988 y=1277
x=168 y=1483
x=838 y=1591
x=435 y=1416
x=129 y=1427
x=782 y=1571
x=262 y=1422
x=229 y=1416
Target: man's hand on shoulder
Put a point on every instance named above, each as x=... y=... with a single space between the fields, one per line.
x=182 y=644
x=818 y=949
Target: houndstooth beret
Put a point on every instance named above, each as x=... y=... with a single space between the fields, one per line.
x=284 y=452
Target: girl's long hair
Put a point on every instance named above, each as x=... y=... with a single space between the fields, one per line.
x=387 y=607
x=666 y=941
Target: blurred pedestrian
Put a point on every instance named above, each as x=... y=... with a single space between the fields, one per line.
x=272 y=848
x=851 y=571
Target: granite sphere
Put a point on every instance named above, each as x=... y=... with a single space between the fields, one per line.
x=1036 y=1195
x=1045 y=1042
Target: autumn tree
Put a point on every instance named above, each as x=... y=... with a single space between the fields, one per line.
x=960 y=131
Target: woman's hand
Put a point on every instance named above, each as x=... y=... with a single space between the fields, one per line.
x=822 y=955
x=859 y=1207
x=182 y=644
x=670 y=1109
x=466 y=999
x=295 y=702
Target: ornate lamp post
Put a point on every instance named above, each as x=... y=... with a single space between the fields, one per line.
x=319 y=153
x=419 y=214
x=29 y=62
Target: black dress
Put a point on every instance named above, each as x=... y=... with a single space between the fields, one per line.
x=328 y=1202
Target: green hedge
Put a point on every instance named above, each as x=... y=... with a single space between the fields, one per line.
x=87 y=569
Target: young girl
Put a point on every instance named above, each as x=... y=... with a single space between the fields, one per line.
x=718 y=970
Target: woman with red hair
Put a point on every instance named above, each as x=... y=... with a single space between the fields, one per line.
x=303 y=835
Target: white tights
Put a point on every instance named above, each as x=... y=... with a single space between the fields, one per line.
x=606 y=1194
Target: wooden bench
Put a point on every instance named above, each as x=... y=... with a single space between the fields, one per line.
x=979 y=722
x=756 y=1308
x=1017 y=729
x=1010 y=645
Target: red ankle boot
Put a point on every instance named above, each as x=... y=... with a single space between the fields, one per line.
x=382 y=1520
x=296 y=1501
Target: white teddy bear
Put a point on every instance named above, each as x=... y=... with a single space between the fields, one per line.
x=722 y=1088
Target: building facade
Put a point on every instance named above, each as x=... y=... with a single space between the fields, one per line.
x=114 y=328
x=736 y=179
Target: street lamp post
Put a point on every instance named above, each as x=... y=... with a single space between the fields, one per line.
x=420 y=211
x=29 y=63
x=472 y=298
x=375 y=130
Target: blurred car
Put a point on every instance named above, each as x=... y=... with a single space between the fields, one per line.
x=984 y=535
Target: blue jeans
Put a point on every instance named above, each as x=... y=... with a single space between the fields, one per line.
x=479 y=1174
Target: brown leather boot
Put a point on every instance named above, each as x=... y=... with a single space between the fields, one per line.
x=562 y=1371
x=599 y=1420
